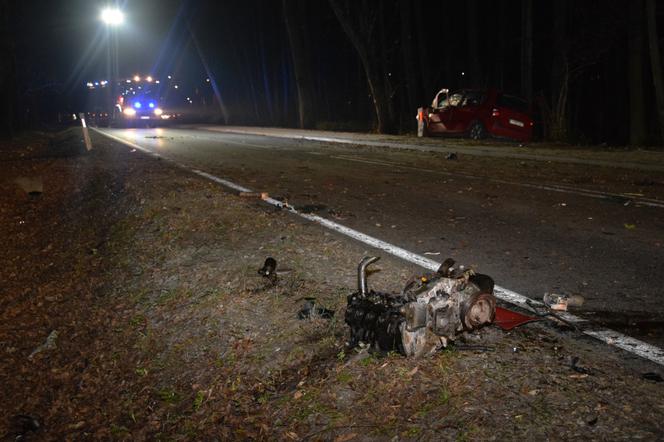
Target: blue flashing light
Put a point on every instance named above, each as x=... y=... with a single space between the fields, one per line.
x=151 y=105
x=137 y=104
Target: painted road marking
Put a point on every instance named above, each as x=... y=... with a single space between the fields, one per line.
x=611 y=337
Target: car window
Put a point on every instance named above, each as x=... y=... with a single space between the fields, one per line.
x=473 y=98
x=441 y=100
x=455 y=99
x=513 y=103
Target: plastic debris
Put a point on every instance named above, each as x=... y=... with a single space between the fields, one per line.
x=311 y=310
x=48 y=345
x=258 y=195
x=508 y=319
x=33 y=186
x=562 y=302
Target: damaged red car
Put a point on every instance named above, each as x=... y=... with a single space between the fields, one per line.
x=477 y=114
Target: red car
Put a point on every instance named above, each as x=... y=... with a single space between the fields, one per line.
x=477 y=114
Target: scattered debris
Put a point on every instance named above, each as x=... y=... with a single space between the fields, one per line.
x=630 y=226
x=22 y=424
x=579 y=369
x=426 y=316
x=508 y=319
x=33 y=186
x=311 y=310
x=311 y=208
x=562 y=302
x=269 y=269
x=432 y=253
x=259 y=195
x=49 y=344
x=452 y=156
x=652 y=376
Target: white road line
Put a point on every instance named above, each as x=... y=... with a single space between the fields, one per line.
x=611 y=337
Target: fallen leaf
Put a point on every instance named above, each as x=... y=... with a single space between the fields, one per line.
x=292 y=435
x=345 y=437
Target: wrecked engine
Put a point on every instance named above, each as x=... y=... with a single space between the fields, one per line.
x=430 y=312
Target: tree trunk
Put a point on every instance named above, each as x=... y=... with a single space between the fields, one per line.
x=361 y=34
x=527 y=50
x=499 y=54
x=294 y=16
x=425 y=70
x=474 y=71
x=7 y=73
x=637 y=111
x=557 y=121
x=655 y=63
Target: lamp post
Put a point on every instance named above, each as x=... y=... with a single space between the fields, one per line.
x=112 y=17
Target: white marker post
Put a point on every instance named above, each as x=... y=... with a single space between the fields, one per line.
x=86 y=133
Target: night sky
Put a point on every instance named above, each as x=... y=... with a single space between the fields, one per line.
x=62 y=44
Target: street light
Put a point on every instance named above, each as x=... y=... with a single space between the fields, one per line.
x=112 y=16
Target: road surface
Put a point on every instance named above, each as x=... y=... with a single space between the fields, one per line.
x=535 y=227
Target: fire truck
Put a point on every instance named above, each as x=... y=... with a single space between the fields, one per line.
x=135 y=101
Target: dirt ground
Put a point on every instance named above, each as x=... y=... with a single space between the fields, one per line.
x=131 y=309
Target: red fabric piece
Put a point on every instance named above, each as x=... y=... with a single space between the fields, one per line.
x=507 y=319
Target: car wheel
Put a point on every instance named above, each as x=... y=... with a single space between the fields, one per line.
x=477 y=131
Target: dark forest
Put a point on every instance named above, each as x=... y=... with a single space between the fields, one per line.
x=590 y=69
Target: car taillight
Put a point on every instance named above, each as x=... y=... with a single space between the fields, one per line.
x=420 y=116
x=495 y=112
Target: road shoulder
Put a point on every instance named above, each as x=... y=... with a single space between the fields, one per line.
x=165 y=329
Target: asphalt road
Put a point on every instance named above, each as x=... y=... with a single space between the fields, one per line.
x=484 y=212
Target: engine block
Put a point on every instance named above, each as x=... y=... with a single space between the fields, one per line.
x=428 y=314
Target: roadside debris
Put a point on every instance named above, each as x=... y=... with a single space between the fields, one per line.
x=508 y=319
x=451 y=156
x=269 y=269
x=311 y=310
x=33 y=186
x=428 y=314
x=259 y=195
x=22 y=424
x=311 y=208
x=49 y=344
x=574 y=365
x=562 y=302
x=651 y=376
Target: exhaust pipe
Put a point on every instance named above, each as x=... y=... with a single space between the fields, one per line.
x=362 y=274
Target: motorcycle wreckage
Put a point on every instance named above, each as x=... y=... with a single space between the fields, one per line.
x=430 y=312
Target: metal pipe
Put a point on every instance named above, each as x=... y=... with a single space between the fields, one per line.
x=362 y=273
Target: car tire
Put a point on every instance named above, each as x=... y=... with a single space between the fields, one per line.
x=476 y=131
